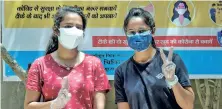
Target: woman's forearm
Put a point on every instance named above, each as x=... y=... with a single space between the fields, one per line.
x=38 y=105
x=184 y=97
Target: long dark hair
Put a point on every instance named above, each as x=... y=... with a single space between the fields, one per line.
x=53 y=42
x=148 y=19
x=175 y=13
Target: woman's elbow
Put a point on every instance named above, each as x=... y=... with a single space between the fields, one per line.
x=191 y=102
x=189 y=105
x=26 y=105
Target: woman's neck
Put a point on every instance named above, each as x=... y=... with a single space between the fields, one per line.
x=65 y=54
x=63 y=59
x=145 y=56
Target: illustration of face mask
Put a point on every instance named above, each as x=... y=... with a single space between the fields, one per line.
x=140 y=42
x=70 y=38
x=181 y=11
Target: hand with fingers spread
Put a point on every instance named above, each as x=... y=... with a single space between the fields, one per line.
x=168 y=67
x=63 y=96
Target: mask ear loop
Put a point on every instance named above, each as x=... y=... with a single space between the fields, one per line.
x=81 y=45
x=153 y=30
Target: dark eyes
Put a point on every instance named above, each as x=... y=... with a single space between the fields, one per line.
x=70 y=26
x=142 y=31
x=134 y=32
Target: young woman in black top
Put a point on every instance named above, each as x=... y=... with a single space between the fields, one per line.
x=151 y=78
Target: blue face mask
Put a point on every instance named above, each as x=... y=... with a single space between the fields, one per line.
x=140 y=41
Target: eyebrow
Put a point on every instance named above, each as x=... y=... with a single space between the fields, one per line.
x=142 y=28
x=79 y=25
x=130 y=29
x=69 y=23
x=72 y=24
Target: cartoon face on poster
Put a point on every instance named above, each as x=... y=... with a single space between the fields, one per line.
x=181 y=12
x=146 y=5
x=219 y=37
x=215 y=12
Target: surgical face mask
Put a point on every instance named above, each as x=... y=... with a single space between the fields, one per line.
x=181 y=11
x=140 y=41
x=70 y=38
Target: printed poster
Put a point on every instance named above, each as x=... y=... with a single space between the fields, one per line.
x=193 y=28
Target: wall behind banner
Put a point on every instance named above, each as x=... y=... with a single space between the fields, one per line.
x=13 y=96
x=12 y=92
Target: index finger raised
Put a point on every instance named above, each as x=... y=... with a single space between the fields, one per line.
x=163 y=56
x=170 y=55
